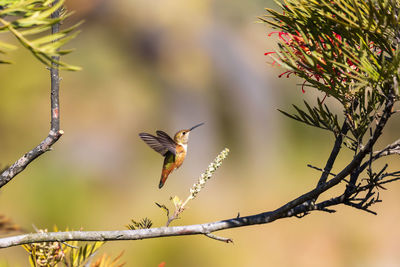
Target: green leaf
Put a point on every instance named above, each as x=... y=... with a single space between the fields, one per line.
x=318 y=116
x=7 y=46
x=144 y=223
x=27 y=18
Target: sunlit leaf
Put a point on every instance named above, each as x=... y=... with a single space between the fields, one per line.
x=30 y=22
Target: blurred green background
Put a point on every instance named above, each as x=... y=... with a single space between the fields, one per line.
x=169 y=65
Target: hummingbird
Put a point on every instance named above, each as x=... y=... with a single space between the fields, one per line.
x=173 y=150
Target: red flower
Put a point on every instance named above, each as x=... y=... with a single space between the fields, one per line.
x=299 y=47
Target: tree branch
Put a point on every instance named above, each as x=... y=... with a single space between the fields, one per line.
x=219 y=238
x=288 y=210
x=335 y=151
x=55 y=133
x=203 y=229
x=55 y=80
x=391 y=149
x=301 y=205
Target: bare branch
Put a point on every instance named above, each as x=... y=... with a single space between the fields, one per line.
x=301 y=205
x=55 y=132
x=204 y=229
x=391 y=149
x=335 y=151
x=174 y=217
x=219 y=238
x=297 y=206
x=55 y=80
x=321 y=170
x=360 y=207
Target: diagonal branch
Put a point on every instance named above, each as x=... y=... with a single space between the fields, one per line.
x=302 y=204
x=391 y=149
x=292 y=208
x=335 y=151
x=55 y=133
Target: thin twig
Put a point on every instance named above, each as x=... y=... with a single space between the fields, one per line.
x=69 y=245
x=54 y=134
x=389 y=181
x=174 y=217
x=360 y=207
x=335 y=151
x=219 y=238
x=319 y=169
x=179 y=208
x=327 y=210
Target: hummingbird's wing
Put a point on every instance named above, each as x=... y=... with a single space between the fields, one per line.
x=166 y=141
x=154 y=142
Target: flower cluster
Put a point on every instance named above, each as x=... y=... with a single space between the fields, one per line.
x=196 y=188
x=327 y=59
x=45 y=253
x=297 y=48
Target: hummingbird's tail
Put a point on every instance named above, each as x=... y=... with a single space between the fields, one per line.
x=164 y=176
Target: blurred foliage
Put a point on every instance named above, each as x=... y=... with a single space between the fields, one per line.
x=7 y=225
x=347 y=49
x=142 y=224
x=71 y=254
x=53 y=253
x=82 y=256
x=108 y=261
x=30 y=21
x=45 y=254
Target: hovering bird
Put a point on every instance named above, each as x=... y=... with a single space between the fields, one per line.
x=173 y=150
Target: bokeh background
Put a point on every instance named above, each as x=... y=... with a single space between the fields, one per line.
x=168 y=65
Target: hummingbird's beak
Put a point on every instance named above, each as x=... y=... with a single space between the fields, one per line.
x=196 y=126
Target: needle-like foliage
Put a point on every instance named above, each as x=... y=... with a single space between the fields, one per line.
x=347 y=49
x=55 y=253
x=144 y=223
x=30 y=22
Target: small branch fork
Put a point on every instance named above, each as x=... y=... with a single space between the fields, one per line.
x=55 y=133
x=179 y=208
